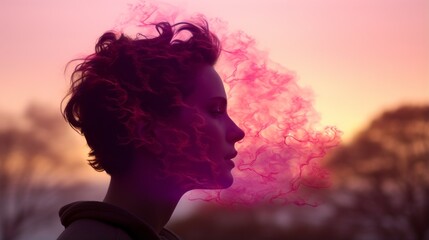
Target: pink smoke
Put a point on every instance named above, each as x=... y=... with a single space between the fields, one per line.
x=281 y=152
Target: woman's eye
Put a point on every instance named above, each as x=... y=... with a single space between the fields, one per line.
x=218 y=110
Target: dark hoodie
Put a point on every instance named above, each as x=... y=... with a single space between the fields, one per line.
x=99 y=220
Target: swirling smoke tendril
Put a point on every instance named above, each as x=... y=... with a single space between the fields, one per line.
x=282 y=150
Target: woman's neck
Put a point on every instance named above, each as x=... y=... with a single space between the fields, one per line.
x=144 y=196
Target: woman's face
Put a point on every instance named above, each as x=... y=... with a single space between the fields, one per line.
x=216 y=131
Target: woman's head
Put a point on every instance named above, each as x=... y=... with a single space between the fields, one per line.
x=130 y=87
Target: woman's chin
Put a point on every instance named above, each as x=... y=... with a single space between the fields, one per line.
x=221 y=182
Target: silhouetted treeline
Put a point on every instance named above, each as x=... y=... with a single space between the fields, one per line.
x=36 y=171
x=380 y=185
x=380 y=191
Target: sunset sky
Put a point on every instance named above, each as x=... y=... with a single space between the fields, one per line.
x=358 y=56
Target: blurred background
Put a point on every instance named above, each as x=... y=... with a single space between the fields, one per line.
x=366 y=61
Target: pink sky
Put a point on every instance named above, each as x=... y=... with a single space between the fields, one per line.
x=358 y=56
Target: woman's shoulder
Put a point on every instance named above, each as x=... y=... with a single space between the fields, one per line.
x=89 y=229
x=99 y=220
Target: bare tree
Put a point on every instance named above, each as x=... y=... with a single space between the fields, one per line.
x=35 y=171
x=382 y=177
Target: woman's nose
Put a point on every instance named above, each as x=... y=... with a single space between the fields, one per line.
x=234 y=133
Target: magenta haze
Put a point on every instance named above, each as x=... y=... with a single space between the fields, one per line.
x=281 y=151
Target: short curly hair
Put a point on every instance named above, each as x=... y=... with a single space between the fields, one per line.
x=128 y=81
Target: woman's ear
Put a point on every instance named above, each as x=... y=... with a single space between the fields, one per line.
x=169 y=137
x=147 y=135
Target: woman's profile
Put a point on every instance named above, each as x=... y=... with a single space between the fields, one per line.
x=154 y=114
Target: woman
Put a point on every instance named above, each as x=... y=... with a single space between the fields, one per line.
x=153 y=112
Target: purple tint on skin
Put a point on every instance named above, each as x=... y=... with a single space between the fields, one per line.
x=219 y=132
